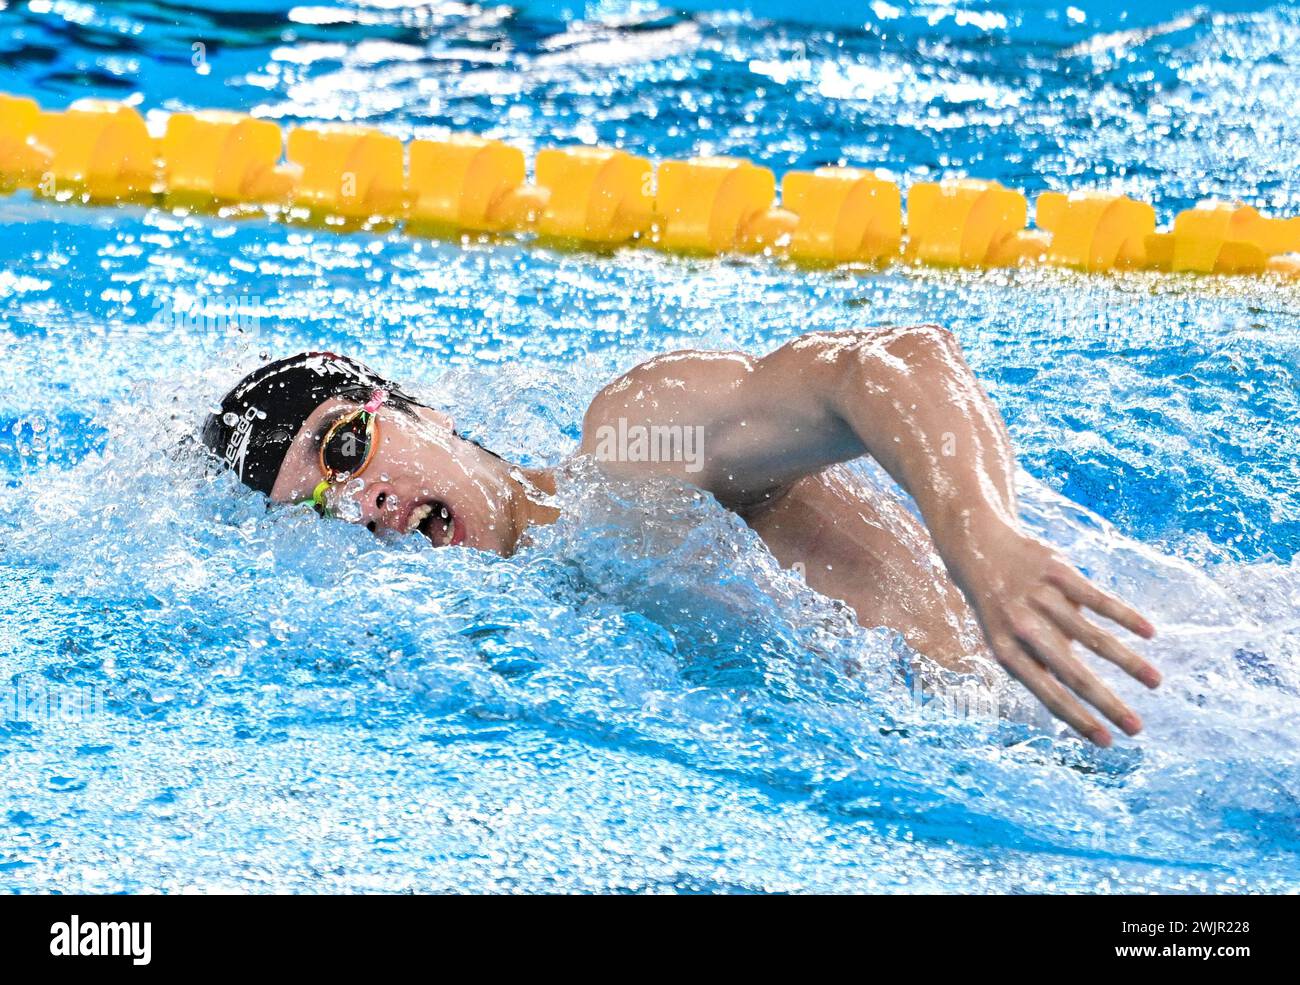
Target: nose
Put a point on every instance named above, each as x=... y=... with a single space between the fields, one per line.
x=380 y=505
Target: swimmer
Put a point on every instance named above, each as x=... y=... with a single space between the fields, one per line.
x=761 y=434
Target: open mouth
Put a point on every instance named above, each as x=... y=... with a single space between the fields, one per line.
x=436 y=521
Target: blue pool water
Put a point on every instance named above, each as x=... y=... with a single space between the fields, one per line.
x=642 y=701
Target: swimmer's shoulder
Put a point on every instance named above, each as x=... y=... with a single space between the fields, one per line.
x=710 y=418
x=671 y=388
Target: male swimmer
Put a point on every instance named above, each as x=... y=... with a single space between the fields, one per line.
x=769 y=429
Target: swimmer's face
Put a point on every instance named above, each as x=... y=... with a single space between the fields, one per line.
x=421 y=478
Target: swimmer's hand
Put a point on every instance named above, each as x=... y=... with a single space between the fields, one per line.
x=1030 y=603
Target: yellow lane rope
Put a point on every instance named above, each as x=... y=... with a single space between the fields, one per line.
x=99 y=151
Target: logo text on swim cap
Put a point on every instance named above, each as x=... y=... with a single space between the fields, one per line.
x=237 y=446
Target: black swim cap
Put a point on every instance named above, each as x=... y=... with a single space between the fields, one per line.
x=260 y=417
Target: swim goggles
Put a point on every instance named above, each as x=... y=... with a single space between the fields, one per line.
x=347 y=448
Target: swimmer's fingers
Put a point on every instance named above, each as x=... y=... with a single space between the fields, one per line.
x=1081 y=591
x=1047 y=689
x=1068 y=618
x=1042 y=638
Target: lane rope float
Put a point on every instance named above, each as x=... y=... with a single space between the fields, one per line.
x=347 y=176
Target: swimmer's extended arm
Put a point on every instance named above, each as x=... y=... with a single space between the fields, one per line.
x=907 y=398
